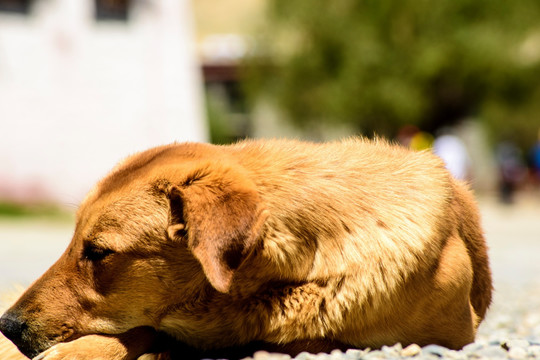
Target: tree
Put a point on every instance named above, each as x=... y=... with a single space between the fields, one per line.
x=381 y=64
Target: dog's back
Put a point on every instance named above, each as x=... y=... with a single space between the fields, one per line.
x=373 y=221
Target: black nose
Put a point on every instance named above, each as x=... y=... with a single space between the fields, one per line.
x=12 y=326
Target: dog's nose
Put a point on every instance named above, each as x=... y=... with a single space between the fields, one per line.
x=12 y=326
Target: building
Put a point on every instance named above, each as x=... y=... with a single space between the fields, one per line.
x=85 y=83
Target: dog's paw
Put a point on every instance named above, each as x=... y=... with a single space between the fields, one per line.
x=93 y=347
x=63 y=352
x=126 y=346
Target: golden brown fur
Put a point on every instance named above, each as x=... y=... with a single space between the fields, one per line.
x=296 y=245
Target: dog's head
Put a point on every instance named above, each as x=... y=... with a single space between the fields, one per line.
x=165 y=227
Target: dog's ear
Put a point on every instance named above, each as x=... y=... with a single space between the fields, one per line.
x=221 y=215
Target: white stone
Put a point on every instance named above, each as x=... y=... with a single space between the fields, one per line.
x=411 y=350
x=517 y=353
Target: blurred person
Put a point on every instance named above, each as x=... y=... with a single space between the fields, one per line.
x=406 y=134
x=535 y=162
x=421 y=141
x=412 y=137
x=453 y=152
x=511 y=170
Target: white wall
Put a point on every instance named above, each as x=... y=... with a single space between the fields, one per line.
x=78 y=95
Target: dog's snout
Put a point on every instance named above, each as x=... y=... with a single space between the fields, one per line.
x=16 y=329
x=12 y=326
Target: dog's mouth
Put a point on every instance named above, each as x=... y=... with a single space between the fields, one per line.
x=33 y=346
x=31 y=352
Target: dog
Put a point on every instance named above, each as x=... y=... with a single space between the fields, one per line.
x=292 y=245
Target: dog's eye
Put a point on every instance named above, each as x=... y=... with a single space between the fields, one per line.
x=94 y=253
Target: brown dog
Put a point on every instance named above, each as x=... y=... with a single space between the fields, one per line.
x=296 y=245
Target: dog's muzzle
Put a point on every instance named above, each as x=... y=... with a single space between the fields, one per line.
x=16 y=329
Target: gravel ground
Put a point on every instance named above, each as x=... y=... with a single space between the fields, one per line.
x=510 y=331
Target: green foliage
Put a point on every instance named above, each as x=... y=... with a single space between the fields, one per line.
x=380 y=64
x=13 y=210
x=221 y=131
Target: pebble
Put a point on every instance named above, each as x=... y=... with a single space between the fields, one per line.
x=411 y=350
x=265 y=355
x=354 y=354
x=517 y=353
x=304 y=355
x=455 y=355
x=436 y=350
x=534 y=351
x=494 y=352
x=521 y=343
x=471 y=348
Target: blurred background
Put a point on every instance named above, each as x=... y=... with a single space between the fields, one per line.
x=84 y=83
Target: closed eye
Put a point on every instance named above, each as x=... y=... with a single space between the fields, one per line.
x=94 y=253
